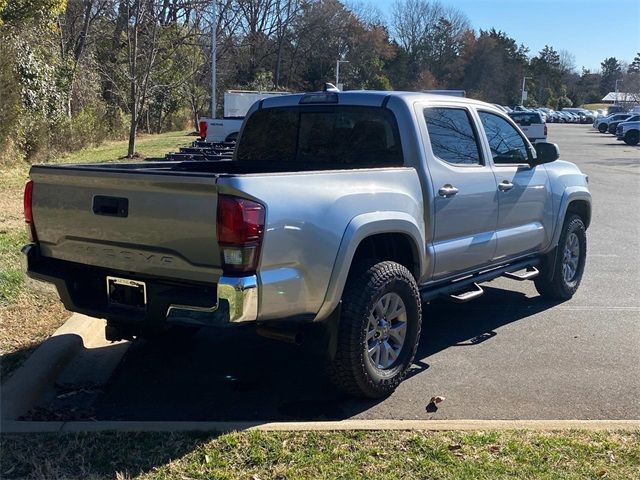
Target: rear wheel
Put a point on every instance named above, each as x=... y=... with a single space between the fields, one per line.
x=632 y=137
x=378 y=331
x=560 y=279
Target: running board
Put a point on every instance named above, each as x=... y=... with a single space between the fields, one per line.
x=468 y=295
x=532 y=272
x=451 y=287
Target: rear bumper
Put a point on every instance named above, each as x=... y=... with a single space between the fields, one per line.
x=81 y=289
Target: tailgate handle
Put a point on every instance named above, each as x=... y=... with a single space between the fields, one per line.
x=110 y=206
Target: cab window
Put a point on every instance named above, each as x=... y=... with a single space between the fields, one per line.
x=452 y=136
x=506 y=143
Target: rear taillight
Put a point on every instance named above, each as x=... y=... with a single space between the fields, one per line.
x=240 y=230
x=28 y=210
x=202 y=129
x=545 y=129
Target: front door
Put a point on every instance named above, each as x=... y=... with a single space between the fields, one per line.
x=524 y=194
x=464 y=206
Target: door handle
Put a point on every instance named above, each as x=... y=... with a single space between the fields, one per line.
x=447 y=190
x=505 y=186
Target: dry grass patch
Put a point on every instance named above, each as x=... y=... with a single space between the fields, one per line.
x=11 y=191
x=26 y=317
x=25 y=324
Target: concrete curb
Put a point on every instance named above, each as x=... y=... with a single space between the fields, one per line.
x=27 y=384
x=406 y=425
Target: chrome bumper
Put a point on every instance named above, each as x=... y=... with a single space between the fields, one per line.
x=237 y=302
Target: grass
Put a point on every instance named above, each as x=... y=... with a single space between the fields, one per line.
x=595 y=106
x=300 y=455
x=148 y=146
x=27 y=317
x=11 y=276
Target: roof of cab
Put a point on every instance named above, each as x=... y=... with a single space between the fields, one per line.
x=373 y=98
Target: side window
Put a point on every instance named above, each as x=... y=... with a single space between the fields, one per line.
x=507 y=145
x=452 y=136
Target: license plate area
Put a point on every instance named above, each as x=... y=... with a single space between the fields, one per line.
x=126 y=293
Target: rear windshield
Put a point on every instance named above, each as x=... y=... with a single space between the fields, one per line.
x=322 y=135
x=526 y=118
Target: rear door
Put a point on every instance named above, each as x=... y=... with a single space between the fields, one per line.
x=465 y=207
x=524 y=193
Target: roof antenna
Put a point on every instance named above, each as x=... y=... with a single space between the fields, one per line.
x=330 y=87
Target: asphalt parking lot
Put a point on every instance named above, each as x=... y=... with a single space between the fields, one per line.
x=508 y=355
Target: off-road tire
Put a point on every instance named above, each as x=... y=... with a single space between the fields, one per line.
x=350 y=368
x=632 y=137
x=558 y=288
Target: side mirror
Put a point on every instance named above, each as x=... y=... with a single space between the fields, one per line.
x=545 y=153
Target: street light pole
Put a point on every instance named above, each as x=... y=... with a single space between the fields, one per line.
x=524 y=81
x=214 y=52
x=616 y=97
x=338 y=62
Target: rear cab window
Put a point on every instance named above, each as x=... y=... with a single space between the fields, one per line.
x=452 y=135
x=337 y=136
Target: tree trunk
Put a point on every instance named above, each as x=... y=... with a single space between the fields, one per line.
x=133 y=99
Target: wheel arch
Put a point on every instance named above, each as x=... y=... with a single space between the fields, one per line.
x=575 y=200
x=391 y=236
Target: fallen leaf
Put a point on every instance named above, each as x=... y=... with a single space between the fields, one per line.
x=207 y=459
x=495 y=448
x=455 y=446
x=437 y=399
x=602 y=473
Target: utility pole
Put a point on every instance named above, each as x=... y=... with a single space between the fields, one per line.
x=338 y=62
x=214 y=52
x=616 y=97
x=522 y=98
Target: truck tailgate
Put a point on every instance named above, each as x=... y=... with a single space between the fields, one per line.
x=142 y=223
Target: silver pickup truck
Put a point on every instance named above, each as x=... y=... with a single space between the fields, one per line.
x=339 y=215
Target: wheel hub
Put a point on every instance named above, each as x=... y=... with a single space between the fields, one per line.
x=386 y=331
x=570 y=257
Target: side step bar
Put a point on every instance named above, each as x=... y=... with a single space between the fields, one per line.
x=468 y=295
x=530 y=273
x=460 y=285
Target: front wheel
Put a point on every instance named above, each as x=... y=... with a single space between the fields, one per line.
x=602 y=128
x=560 y=279
x=378 y=331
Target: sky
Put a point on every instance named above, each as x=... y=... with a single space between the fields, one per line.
x=590 y=29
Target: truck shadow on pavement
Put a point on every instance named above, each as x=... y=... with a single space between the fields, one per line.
x=234 y=375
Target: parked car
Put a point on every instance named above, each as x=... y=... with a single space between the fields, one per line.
x=602 y=125
x=629 y=132
x=341 y=213
x=532 y=124
x=613 y=125
x=584 y=115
